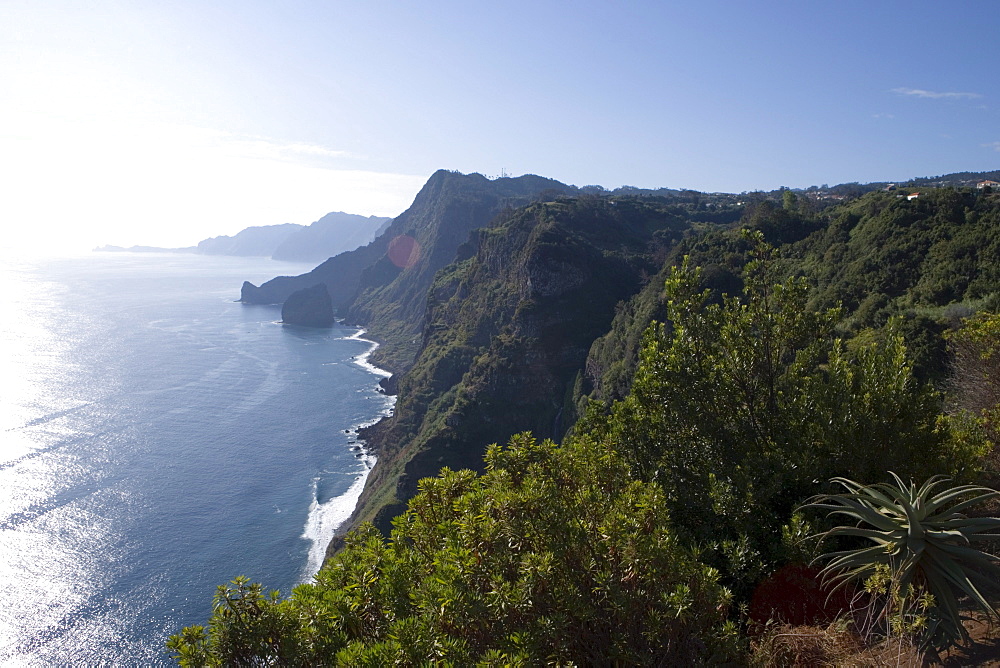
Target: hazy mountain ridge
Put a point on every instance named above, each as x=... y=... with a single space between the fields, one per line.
x=334 y=233
x=252 y=241
x=331 y=235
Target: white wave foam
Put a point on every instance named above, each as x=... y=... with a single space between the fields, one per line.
x=362 y=360
x=325 y=519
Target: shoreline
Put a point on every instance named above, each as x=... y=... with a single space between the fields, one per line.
x=324 y=520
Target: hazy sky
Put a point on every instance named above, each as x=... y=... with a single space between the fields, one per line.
x=166 y=122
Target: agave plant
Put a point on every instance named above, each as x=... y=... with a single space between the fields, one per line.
x=923 y=537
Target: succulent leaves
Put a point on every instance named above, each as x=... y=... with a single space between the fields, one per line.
x=925 y=539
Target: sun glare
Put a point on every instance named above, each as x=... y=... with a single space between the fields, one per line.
x=86 y=164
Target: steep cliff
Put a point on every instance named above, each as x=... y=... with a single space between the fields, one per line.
x=506 y=334
x=383 y=285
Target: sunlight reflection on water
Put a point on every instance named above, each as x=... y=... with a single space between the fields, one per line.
x=149 y=430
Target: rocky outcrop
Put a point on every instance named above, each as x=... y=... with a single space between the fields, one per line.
x=309 y=307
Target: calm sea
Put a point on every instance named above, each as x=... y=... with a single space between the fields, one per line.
x=158 y=439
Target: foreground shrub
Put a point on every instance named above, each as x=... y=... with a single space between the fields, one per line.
x=554 y=555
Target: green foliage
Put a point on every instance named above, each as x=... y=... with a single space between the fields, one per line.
x=738 y=408
x=780 y=225
x=245 y=625
x=975 y=378
x=900 y=611
x=924 y=539
x=554 y=555
x=887 y=254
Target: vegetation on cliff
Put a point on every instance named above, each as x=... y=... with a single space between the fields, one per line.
x=616 y=545
x=738 y=408
x=927 y=261
x=810 y=343
x=507 y=331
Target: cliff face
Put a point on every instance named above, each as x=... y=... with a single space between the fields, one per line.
x=506 y=335
x=383 y=285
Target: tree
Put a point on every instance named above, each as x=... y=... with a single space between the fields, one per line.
x=975 y=377
x=738 y=408
x=789 y=201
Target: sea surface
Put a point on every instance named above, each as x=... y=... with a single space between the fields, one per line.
x=158 y=439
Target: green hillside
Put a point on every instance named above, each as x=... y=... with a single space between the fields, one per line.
x=709 y=363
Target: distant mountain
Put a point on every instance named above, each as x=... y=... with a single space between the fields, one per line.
x=252 y=241
x=109 y=248
x=331 y=235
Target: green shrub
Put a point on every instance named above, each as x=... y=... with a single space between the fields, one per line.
x=554 y=555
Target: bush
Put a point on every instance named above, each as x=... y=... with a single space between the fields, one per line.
x=554 y=555
x=738 y=409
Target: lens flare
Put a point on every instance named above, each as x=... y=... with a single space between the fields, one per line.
x=404 y=251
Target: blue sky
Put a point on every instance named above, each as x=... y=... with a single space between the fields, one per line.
x=166 y=122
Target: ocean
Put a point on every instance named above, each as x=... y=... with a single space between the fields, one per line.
x=158 y=439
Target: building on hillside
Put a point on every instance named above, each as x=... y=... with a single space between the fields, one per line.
x=987 y=184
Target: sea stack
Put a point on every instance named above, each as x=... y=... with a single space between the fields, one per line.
x=310 y=307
